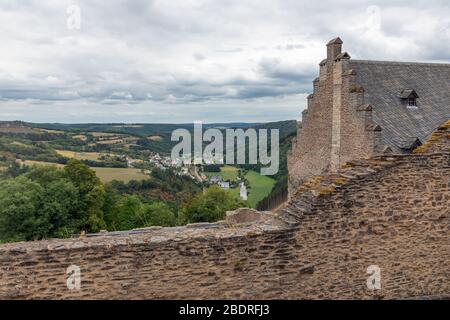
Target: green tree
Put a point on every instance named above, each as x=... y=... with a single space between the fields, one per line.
x=127 y=209
x=95 y=201
x=91 y=192
x=30 y=210
x=14 y=169
x=44 y=175
x=60 y=205
x=210 y=206
x=83 y=177
x=20 y=201
x=110 y=208
x=155 y=214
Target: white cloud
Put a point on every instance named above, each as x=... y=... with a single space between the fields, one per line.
x=180 y=60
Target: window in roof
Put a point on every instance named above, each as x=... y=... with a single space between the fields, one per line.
x=412 y=102
x=411 y=96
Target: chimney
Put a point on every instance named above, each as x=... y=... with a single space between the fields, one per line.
x=334 y=48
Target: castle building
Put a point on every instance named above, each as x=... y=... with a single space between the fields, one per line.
x=360 y=109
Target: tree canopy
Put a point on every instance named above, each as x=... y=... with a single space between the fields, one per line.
x=43 y=202
x=210 y=206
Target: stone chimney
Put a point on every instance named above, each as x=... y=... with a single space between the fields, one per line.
x=334 y=48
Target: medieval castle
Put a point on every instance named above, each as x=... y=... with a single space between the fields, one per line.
x=360 y=109
x=369 y=189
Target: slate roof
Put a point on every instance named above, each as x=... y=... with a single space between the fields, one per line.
x=406 y=93
x=335 y=41
x=385 y=84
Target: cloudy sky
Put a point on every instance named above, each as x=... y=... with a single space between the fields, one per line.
x=186 y=60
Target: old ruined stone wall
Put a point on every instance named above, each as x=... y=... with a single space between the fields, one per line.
x=204 y=262
x=397 y=219
x=392 y=212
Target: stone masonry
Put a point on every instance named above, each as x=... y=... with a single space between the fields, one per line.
x=337 y=125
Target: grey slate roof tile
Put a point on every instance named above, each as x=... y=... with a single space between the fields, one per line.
x=384 y=81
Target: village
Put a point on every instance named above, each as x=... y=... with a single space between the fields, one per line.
x=195 y=172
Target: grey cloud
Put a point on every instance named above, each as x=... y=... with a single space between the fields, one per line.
x=289 y=47
x=141 y=54
x=274 y=68
x=198 y=56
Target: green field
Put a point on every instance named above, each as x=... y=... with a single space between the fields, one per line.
x=120 y=174
x=40 y=163
x=260 y=186
x=105 y=174
x=93 y=156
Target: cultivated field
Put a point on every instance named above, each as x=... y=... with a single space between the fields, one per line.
x=93 y=156
x=105 y=174
x=104 y=134
x=120 y=174
x=155 y=138
x=81 y=137
x=40 y=163
x=51 y=131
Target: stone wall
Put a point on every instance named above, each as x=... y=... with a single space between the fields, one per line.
x=396 y=218
x=392 y=212
x=312 y=146
x=207 y=261
x=337 y=125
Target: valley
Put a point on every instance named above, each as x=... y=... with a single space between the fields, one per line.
x=133 y=177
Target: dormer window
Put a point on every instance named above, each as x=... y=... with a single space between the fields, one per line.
x=412 y=102
x=410 y=96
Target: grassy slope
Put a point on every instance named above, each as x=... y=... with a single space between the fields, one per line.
x=260 y=187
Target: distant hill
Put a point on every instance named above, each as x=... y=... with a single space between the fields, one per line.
x=156 y=136
x=148 y=129
x=287 y=128
x=141 y=129
x=14 y=127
